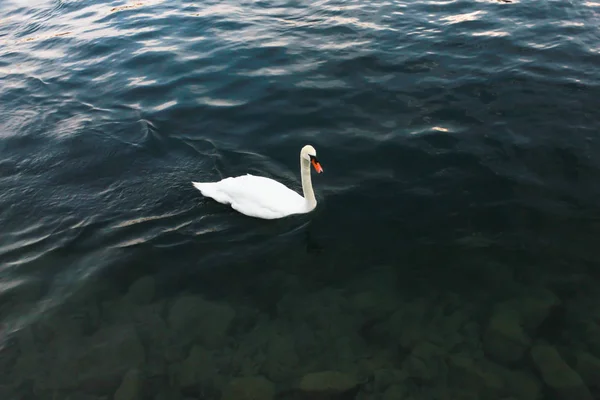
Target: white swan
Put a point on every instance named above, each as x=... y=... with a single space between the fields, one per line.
x=261 y=197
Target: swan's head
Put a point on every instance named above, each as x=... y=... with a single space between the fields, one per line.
x=310 y=154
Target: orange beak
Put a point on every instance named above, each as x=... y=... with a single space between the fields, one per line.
x=316 y=164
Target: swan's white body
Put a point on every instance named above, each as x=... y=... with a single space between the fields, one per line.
x=265 y=198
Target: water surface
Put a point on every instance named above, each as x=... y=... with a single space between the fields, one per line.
x=460 y=146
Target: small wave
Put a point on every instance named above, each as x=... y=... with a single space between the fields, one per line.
x=226 y=10
x=127 y=7
x=495 y=33
x=214 y=102
x=23 y=244
x=461 y=18
x=147 y=219
x=165 y=105
x=45 y=37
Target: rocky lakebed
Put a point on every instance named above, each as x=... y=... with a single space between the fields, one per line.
x=363 y=340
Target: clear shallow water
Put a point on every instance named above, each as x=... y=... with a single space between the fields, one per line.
x=459 y=141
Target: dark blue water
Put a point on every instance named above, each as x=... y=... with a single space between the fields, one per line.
x=453 y=253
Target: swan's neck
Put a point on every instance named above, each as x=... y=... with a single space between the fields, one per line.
x=307 y=189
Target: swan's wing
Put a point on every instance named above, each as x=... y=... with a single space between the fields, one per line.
x=255 y=196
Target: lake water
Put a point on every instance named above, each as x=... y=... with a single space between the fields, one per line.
x=454 y=250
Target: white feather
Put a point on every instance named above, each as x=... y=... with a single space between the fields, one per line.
x=261 y=197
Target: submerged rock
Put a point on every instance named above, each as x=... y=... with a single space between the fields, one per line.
x=197 y=370
x=26 y=340
x=94 y=365
x=195 y=319
x=407 y=326
x=54 y=329
x=7 y=392
x=142 y=291
x=395 y=392
x=384 y=378
x=84 y=396
x=248 y=358
x=504 y=339
x=327 y=383
x=117 y=311
x=281 y=357
x=453 y=322
x=130 y=386
x=565 y=383
x=425 y=362
x=592 y=337
x=514 y=322
x=57 y=368
x=466 y=374
x=375 y=304
x=588 y=367
x=26 y=367
x=9 y=353
x=168 y=393
x=523 y=385
x=109 y=354
x=535 y=307
x=249 y=388
x=154 y=335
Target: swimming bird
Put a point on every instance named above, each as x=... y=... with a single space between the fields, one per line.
x=261 y=197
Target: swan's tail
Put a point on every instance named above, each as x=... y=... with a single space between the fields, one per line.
x=200 y=186
x=206 y=188
x=210 y=189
